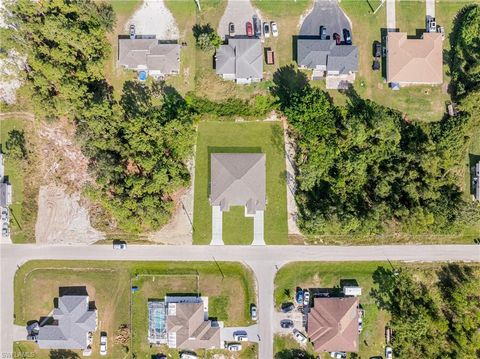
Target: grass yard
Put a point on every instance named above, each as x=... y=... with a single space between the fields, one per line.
x=229 y=286
x=329 y=275
x=227 y=137
x=425 y=103
x=23 y=177
x=284 y=347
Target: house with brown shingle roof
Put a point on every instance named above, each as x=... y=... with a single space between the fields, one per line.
x=332 y=324
x=414 y=61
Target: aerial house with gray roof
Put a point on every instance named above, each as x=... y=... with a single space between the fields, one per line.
x=240 y=60
x=238 y=179
x=338 y=64
x=73 y=326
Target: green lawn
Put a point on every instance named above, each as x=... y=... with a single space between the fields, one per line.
x=425 y=103
x=329 y=275
x=23 y=177
x=229 y=286
x=265 y=137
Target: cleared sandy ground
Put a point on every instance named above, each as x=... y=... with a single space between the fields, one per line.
x=153 y=18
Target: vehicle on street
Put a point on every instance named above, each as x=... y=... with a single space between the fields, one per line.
x=257 y=26
x=299 y=296
x=286 y=323
x=388 y=352
x=377 y=49
x=299 y=337
x=132 y=31
x=119 y=245
x=441 y=30
x=240 y=337
x=338 y=355
x=431 y=24
x=4 y=214
x=274 y=28
x=287 y=307
x=266 y=29
x=234 y=347
x=306 y=298
x=103 y=344
x=346 y=37
x=187 y=355
x=231 y=29
x=337 y=38
x=253 y=312
x=249 y=29
x=323 y=33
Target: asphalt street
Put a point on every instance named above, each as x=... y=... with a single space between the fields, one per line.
x=263 y=260
x=325 y=13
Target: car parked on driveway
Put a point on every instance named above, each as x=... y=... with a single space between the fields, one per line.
x=388 y=352
x=231 y=29
x=299 y=296
x=240 y=336
x=234 y=347
x=187 y=355
x=299 y=337
x=103 y=344
x=257 y=26
x=287 y=307
x=286 y=323
x=377 y=49
x=338 y=355
x=274 y=27
x=323 y=33
x=253 y=312
x=431 y=24
x=346 y=37
x=337 y=38
x=306 y=297
x=249 y=29
x=266 y=29
x=132 y=31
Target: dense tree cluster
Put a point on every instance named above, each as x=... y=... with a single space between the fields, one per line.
x=433 y=317
x=206 y=38
x=363 y=168
x=65 y=45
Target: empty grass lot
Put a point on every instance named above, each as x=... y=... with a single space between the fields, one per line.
x=425 y=103
x=24 y=185
x=229 y=137
x=328 y=275
x=229 y=286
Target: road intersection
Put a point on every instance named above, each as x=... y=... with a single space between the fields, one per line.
x=263 y=260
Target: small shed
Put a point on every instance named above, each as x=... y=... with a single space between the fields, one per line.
x=352 y=291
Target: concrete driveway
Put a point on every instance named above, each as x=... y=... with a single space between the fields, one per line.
x=238 y=12
x=226 y=334
x=325 y=13
x=391 y=21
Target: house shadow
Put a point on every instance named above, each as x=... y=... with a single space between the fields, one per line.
x=214 y=149
x=72 y=290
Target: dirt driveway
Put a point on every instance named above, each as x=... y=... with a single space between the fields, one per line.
x=238 y=12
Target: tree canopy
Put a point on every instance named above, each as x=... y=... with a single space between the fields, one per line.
x=65 y=46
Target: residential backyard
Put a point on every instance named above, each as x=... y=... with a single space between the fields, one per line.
x=229 y=286
x=22 y=176
x=245 y=137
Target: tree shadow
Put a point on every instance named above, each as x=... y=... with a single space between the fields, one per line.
x=294 y=354
x=63 y=354
x=288 y=83
x=453 y=275
x=384 y=278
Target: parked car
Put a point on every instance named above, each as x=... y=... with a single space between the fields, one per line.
x=132 y=31
x=388 y=353
x=441 y=30
x=160 y=356
x=337 y=38
x=299 y=337
x=5 y=230
x=323 y=33
x=119 y=245
x=249 y=29
x=376 y=65
x=187 y=355
x=360 y=324
x=338 y=355
x=306 y=298
x=274 y=27
x=266 y=29
x=253 y=312
x=103 y=344
x=287 y=307
x=234 y=347
x=257 y=26
x=286 y=323
x=231 y=29
x=299 y=296
x=431 y=24
x=240 y=337
x=346 y=37
x=377 y=49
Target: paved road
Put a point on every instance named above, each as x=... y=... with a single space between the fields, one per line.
x=325 y=13
x=391 y=21
x=263 y=260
